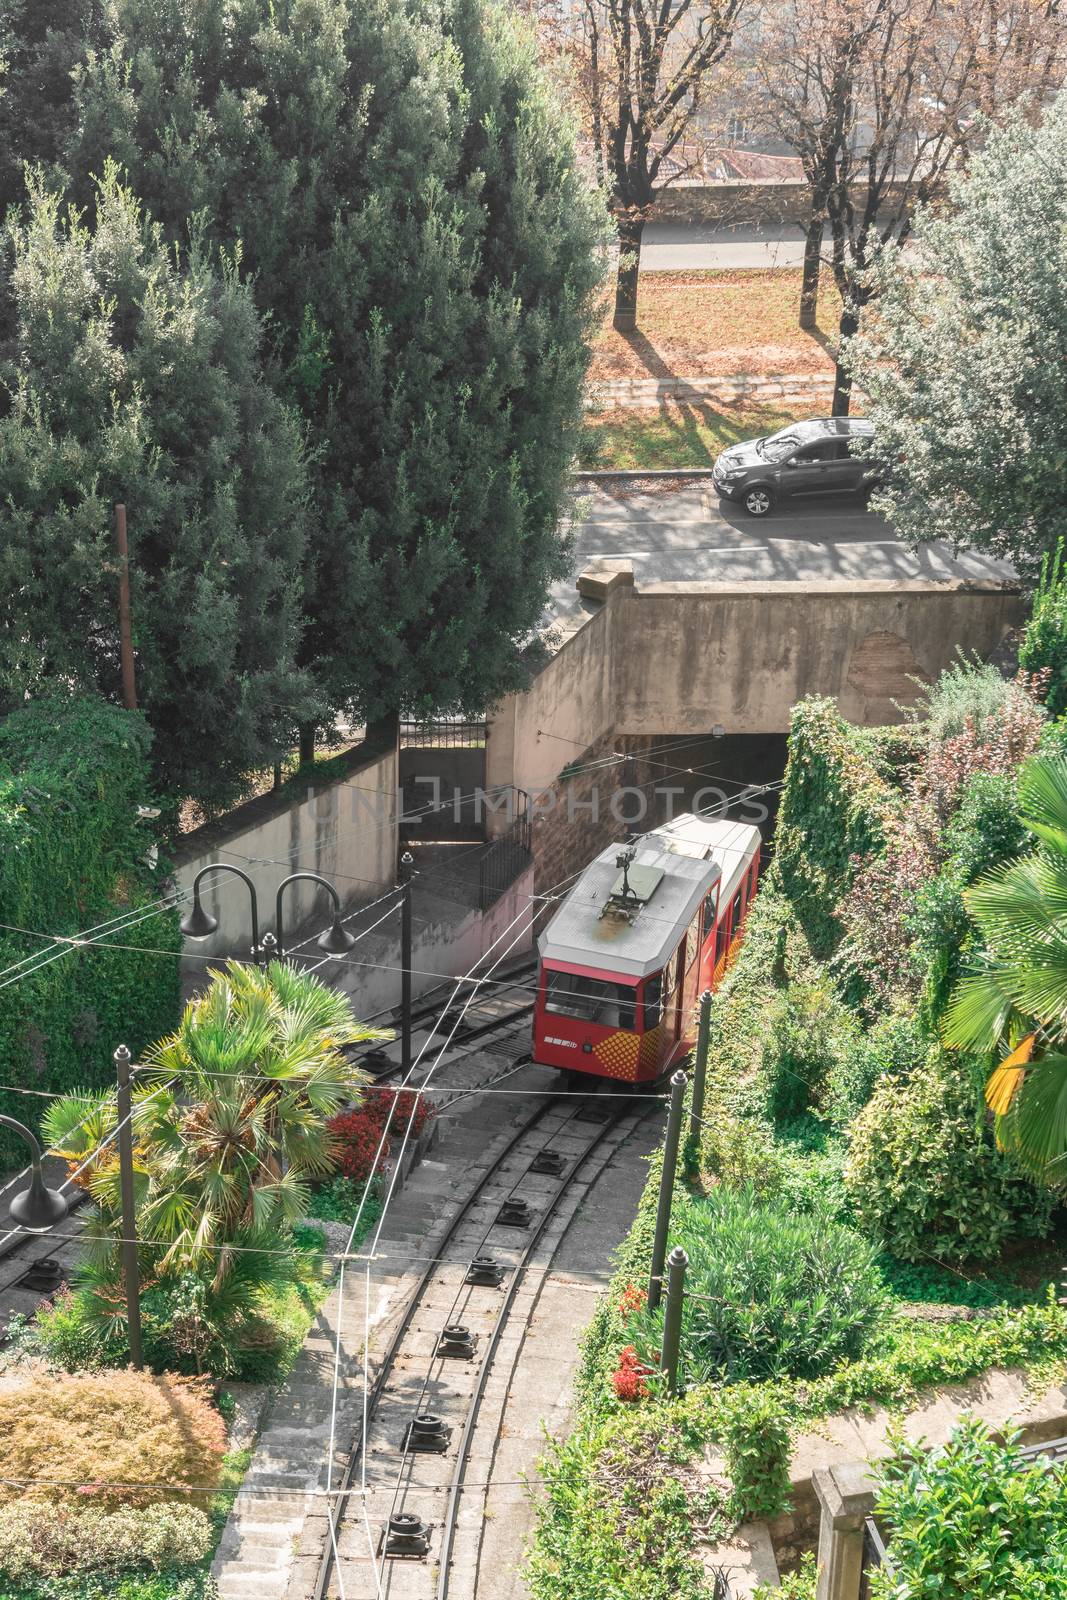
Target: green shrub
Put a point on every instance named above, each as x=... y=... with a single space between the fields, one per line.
x=924 y=1177
x=892 y=1048
x=799 y=1585
x=970 y=692
x=984 y=832
x=1044 y=642
x=74 y=853
x=49 y=1540
x=172 y=1583
x=769 y=1292
x=617 y=1518
x=755 y=1440
x=740 y=1152
x=971 y=1520
x=835 y=806
x=807 y=1032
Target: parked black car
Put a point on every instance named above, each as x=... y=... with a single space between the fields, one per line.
x=807 y=458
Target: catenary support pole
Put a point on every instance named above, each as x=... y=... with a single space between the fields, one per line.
x=677 y=1262
x=407 y=861
x=700 y=1068
x=129 y=686
x=666 y=1190
x=129 y=1215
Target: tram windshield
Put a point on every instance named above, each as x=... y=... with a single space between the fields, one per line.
x=574 y=994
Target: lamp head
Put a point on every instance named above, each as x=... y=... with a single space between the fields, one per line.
x=198 y=923
x=38 y=1207
x=336 y=940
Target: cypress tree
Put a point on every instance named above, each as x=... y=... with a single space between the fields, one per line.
x=405 y=196
x=132 y=372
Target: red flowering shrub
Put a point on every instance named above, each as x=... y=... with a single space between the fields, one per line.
x=633 y=1299
x=628 y=1380
x=356 y=1138
x=358 y=1134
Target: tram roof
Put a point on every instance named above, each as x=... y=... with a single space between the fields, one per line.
x=673 y=869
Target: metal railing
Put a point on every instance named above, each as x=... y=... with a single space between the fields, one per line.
x=504 y=859
x=874 y=1555
x=442 y=733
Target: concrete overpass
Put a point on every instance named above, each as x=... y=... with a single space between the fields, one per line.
x=678 y=619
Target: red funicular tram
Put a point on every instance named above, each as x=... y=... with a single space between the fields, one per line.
x=642 y=933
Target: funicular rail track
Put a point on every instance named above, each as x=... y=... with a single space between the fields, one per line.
x=425 y=1400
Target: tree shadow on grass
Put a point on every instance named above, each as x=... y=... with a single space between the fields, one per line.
x=647 y=354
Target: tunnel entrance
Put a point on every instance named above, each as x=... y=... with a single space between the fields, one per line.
x=719 y=775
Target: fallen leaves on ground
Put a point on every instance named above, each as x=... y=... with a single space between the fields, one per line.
x=709 y=324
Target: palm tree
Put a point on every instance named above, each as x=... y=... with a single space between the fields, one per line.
x=1015 y=997
x=230 y=1119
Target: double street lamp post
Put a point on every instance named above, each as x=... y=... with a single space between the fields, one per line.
x=200 y=924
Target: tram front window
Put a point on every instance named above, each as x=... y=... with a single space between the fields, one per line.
x=572 y=994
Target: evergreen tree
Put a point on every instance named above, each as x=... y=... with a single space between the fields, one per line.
x=132 y=373
x=405 y=195
x=964 y=356
x=41 y=44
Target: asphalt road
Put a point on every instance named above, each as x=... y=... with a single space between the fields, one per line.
x=681 y=246
x=690 y=535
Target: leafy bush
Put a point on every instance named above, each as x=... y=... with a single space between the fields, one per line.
x=970 y=1520
x=892 y=1048
x=923 y=1174
x=808 y=1031
x=770 y=1292
x=118 y=1428
x=1044 y=641
x=969 y=693
x=984 y=832
x=799 y=1585
x=739 y=1152
x=359 y=1147
x=754 y=1435
x=74 y=854
x=835 y=807
x=50 y=1540
x=170 y=1583
x=618 y=1518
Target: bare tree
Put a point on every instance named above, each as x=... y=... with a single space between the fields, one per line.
x=878 y=97
x=641 y=70
x=805 y=86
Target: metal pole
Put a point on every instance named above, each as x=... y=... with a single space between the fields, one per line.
x=129 y=686
x=666 y=1190
x=407 y=861
x=672 y=1317
x=129 y=1215
x=701 y=1067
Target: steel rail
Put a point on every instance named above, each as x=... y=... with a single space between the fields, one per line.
x=448 y=1530
x=340 y=1504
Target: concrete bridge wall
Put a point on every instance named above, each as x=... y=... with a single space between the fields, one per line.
x=681 y=658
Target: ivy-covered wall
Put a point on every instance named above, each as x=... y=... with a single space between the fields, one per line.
x=73 y=855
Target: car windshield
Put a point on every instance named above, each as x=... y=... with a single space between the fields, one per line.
x=778 y=446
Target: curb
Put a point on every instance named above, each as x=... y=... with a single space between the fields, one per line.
x=643 y=472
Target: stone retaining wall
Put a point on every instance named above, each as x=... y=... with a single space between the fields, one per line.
x=780 y=389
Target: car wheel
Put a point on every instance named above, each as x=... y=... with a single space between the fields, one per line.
x=757 y=501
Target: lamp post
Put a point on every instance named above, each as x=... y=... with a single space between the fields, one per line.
x=200 y=924
x=130 y=1271
x=407 y=861
x=336 y=940
x=37 y=1208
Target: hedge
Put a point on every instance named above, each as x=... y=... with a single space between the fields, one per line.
x=74 y=853
x=836 y=804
